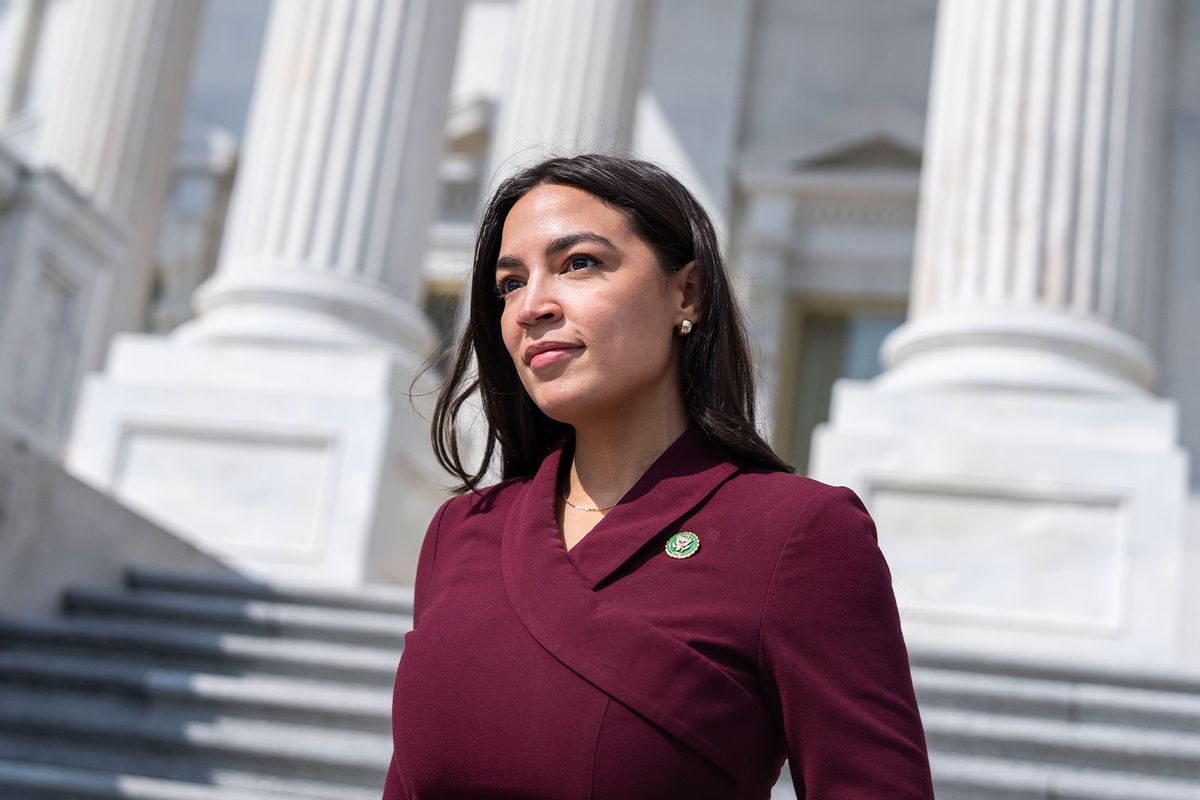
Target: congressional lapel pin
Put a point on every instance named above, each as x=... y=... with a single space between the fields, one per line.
x=683 y=544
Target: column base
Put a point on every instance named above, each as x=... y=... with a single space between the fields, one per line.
x=1016 y=348
x=1024 y=523
x=290 y=463
x=297 y=308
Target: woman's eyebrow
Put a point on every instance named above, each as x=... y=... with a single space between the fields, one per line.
x=572 y=239
x=508 y=262
x=557 y=246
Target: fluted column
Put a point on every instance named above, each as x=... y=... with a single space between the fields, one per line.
x=1033 y=266
x=339 y=177
x=113 y=118
x=18 y=48
x=574 y=81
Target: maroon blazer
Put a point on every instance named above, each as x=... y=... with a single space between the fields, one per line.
x=615 y=671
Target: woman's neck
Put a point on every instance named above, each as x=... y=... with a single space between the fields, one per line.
x=609 y=459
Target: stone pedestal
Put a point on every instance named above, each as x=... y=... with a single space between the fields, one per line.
x=58 y=256
x=291 y=464
x=1023 y=523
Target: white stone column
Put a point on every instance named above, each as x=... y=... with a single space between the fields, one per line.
x=276 y=427
x=764 y=291
x=1034 y=266
x=18 y=46
x=112 y=122
x=338 y=179
x=573 y=81
x=689 y=114
x=1028 y=488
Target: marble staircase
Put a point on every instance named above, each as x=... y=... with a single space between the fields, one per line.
x=184 y=686
x=1018 y=730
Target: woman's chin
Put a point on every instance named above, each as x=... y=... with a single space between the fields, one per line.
x=566 y=407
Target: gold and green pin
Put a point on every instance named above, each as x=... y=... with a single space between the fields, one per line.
x=683 y=544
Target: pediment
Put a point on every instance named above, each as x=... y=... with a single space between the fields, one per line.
x=850 y=143
x=878 y=151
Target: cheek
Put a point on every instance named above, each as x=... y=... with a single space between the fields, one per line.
x=636 y=338
x=510 y=334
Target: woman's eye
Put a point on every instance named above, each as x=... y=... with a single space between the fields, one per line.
x=503 y=286
x=581 y=262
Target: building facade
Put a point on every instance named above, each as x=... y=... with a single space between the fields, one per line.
x=962 y=232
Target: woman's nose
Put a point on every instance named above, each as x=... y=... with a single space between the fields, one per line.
x=537 y=301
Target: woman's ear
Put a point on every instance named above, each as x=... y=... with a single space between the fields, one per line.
x=689 y=286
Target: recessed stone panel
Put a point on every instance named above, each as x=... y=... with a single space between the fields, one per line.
x=266 y=492
x=45 y=354
x=1041 y=556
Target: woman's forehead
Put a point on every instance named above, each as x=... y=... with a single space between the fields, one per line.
x=549 y=211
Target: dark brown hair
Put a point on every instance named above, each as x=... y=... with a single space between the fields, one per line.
x=718 y=379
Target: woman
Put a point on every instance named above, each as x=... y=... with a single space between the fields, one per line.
x=650 y=603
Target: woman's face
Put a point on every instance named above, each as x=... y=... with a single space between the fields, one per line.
x=572 y=270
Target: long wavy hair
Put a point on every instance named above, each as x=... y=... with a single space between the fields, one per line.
x=718 y=378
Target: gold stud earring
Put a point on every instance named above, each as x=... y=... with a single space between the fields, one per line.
x=685 y=328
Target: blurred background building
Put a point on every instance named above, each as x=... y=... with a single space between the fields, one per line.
x=233 y=232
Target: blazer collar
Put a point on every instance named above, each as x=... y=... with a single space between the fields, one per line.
x=683 y=475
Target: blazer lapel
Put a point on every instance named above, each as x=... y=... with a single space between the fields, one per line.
x=637 y=664
x=686 y=473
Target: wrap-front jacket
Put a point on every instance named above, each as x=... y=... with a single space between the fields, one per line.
x=613 y=670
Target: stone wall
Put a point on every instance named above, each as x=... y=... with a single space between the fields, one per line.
x=55 y=531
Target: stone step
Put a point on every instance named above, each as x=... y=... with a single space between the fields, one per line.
x=228 y=686
x=267 y=696
x=385 y=599
x=260 y=617
x=1162 y=753
x=19 y=781
x=98 y=774
x=201 y=650
x=1056 y=699
x=213 y=740
x=957 y=776
x=1133 y=676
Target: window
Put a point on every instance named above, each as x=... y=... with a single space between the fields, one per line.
x=830 y=344
x=441 y=306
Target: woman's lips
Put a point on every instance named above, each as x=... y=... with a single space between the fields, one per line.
x=551 y=356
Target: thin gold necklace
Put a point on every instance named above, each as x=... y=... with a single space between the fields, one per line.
x=585 y=508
